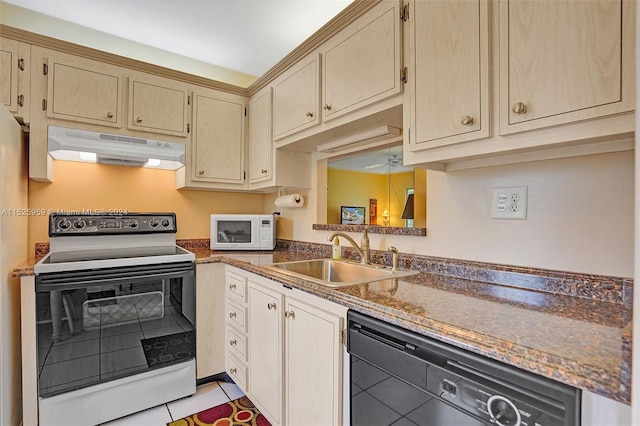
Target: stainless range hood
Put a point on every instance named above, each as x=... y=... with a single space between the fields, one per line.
x=104 y=148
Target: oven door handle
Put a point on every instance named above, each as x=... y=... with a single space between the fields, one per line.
x=79 y=279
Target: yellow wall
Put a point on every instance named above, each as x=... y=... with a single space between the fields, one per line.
x=350 y=188
x=81 y=186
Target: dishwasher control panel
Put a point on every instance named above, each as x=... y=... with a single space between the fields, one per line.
x=491 y=401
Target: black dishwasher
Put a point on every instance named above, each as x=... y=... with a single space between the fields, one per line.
x=402 y=378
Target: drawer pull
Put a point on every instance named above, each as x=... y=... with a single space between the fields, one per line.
x=309 y=114
x=201 y=172
x=109 y=115
x=233 y=342
x=466 y=120
x=519 y=108
x=326 y=107
x=232 y=314
x=233 y=371
x=289 y=314
x=232 y=286
x=138 y=119
x=271 y=306
x=263 y=171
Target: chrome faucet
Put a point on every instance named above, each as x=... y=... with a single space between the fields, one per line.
x=394 y=258
x=363 y=250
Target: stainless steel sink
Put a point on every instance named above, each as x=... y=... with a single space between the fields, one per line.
x=337 y=273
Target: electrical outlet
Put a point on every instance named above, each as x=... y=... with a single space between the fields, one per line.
x=509 y=203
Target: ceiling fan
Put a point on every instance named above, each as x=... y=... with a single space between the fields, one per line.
x=392 y=161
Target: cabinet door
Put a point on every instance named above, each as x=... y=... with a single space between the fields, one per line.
x=448 y=91
x=218 y=138
x=361 y=64
x=564 y=61
x=157 y=105
x=260 y=146
x=296 y=98
x=14 y=76
x=313 y=356
x=265 y=350
x=210 y=297
x=85 y=91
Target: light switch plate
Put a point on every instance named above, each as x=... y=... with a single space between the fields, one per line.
x=509 y=203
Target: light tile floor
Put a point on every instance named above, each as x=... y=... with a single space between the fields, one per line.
x=206 y=396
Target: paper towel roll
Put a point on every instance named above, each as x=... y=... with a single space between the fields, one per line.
x=291 y=200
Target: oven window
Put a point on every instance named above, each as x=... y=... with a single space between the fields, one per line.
x=234 y=231
x=102 y=331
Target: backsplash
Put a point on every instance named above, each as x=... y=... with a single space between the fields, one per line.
x=587 y=286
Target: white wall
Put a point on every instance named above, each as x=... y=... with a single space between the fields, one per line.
x=580 y=216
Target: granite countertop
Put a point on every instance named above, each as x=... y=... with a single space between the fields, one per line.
x=580 y=334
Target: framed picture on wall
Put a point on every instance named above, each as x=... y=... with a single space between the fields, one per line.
x=350 y=215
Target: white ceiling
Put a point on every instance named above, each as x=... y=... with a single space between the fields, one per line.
x=249 y=36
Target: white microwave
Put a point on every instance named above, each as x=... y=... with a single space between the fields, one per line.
x=243 y=232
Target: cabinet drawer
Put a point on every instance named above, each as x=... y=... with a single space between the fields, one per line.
x=237 y=316
x=237 y=371
x=237 y=286
x=237 y=343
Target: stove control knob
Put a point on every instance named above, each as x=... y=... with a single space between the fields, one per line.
x=165 y=223
x=64 y=224
x=154 y=223
x=79 y=224
x=503 y=412
x=133 y=224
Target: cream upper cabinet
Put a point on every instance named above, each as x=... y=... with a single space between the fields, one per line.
x=270 y=168
x=84 y=91
x=158 y=105
x=266 y=312
x=564 y=60
x=217 y=145
x=296 y=98
x=447 y=96
x=361 y=64
x=14 y=77
x=260 y=145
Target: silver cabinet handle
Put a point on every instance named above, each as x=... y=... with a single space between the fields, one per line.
x=109 y=115
x=519 y=108
x=232 y=342
x=309 y=114
x=20 y=100
x=263 y=171
x=466 y=120
x=233 y=371
x=231 y=286
x=327 y=107
x=201 y=172
x=139 y=119
x=289 y=314
x=232 y=314
x=271 y=306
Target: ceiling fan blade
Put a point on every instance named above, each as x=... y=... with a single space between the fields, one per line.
x=373 y=166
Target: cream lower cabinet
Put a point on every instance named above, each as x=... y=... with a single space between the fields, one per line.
x=295 y=353
x=210 y=324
